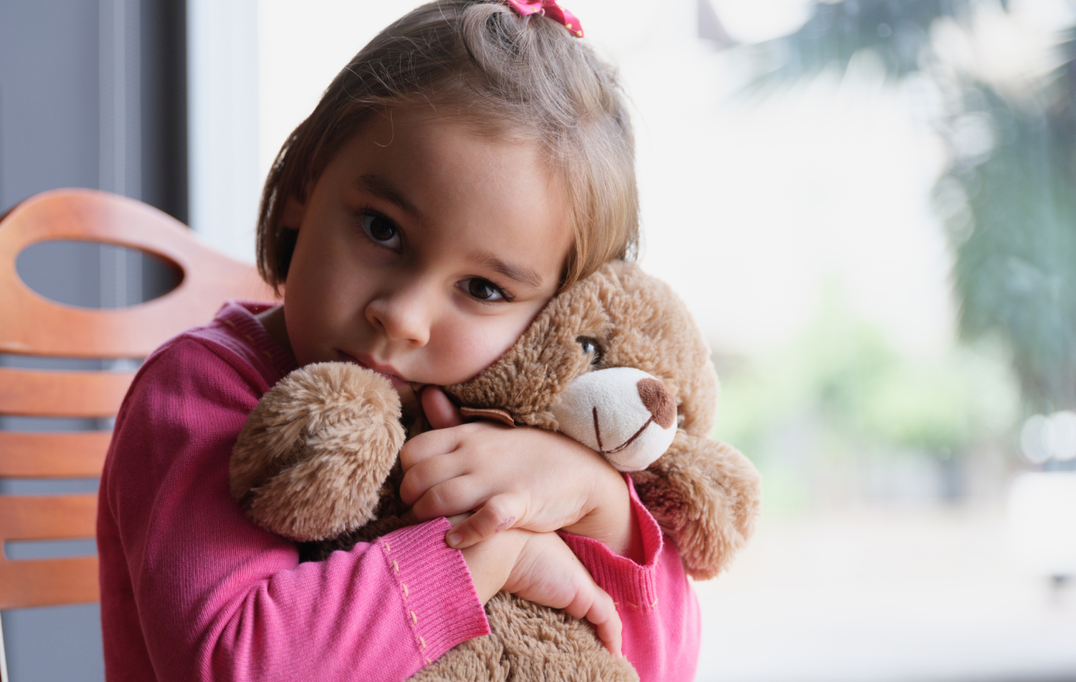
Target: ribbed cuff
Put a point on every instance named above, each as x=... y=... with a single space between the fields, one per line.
x=439 y=597
x=628 y=583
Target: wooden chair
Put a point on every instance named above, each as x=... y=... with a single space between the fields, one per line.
x=33 y=325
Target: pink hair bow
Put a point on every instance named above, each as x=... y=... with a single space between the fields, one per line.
x=550 y=9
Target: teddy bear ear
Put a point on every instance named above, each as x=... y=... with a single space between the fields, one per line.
x=491 y=413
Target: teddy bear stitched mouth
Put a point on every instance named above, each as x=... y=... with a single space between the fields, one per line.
x=658 y=403
x=598 y=434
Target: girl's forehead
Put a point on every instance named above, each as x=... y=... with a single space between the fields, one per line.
x=439 y=179
x=450 y=121
x=424 y=150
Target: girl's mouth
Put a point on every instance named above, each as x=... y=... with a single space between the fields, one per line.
x=386 y=371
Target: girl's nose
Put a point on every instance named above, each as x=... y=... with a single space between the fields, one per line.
x=401 y=315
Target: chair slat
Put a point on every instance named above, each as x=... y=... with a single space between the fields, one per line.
x=36 y=325
x=53 y=455
x=47 y=517
x=119 y=333
x=48 y=582
x=25 y=392
x=33 y=325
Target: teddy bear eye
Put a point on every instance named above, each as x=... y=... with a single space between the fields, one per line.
x=590 y=347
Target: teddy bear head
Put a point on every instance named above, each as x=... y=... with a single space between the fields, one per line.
x=615 y=361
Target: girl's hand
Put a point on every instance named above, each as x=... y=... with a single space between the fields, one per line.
x=514 y=478
x=540 y=568
x=548 y=573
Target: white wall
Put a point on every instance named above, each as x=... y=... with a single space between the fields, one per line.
x=222 y=69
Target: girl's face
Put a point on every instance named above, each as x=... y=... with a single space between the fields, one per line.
x=423 y=251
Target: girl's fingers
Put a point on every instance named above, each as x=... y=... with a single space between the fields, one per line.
x=500 y=512
x=595 y=604
x=439 y=410
x=457 y=519
x=429 y=473
x=427 y=445
x=606 y=622
x=547 y=572
x=456 y=495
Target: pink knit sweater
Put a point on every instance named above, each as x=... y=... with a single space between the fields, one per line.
x=192 y=590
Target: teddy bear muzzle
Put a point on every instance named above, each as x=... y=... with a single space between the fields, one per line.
x=624 y=413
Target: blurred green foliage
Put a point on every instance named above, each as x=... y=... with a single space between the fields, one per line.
x=1007 y=196
x=840 y=391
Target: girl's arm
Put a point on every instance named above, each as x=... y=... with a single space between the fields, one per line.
x=618 y=540
x=192 y=590
x=656 y=603
x=647 y=581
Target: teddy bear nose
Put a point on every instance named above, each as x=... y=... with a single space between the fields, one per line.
x=657 y=399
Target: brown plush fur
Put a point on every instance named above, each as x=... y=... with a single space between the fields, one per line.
x=300 y=467
x=317 y=460
x=704 y=493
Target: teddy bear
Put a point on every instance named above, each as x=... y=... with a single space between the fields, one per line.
x=615 y=361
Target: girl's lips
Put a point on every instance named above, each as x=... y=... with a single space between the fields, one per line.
x=386 y=371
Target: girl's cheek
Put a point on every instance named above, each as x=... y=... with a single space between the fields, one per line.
x=498 y=343
x=476 y=350
x=470 y=346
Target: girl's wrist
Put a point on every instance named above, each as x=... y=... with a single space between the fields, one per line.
x=608 y=517
x=492 y=560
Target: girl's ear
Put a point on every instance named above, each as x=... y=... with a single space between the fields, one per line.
x=292 y=215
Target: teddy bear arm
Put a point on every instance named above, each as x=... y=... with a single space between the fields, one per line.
x=481 y=659
x=312 y=457
x=529 y=643
x=706 y=496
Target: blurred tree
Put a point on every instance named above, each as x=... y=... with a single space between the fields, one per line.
x=1007 y=196
x=843 y=376
x=839 y=398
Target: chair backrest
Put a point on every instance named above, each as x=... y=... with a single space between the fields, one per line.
x=31 y=324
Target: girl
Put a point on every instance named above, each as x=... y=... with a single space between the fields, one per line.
x=471 y=161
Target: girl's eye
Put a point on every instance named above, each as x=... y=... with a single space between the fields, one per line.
x=484 y=290
x=590 y=347
x=381 y=230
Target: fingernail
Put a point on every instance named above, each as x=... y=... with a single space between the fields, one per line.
x=454 y=539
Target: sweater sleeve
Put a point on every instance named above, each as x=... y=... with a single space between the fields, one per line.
x=193 y=590
x=655 y=600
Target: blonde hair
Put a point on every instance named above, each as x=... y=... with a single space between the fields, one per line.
x=504 y=74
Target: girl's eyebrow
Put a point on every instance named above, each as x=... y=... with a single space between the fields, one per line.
x=517 y=273
x=382 y=188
